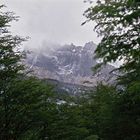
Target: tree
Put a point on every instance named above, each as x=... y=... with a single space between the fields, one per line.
x=27 y=100
x=118 y=23
x=9 y=60
x=10 y=56
x=101 y=118
x=127 y=114
x=23 y=100
x=67 y=123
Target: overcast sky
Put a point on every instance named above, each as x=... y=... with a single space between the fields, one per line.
x=51 y=21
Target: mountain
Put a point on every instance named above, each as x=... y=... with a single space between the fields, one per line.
x=68 y=64
x=62 y=88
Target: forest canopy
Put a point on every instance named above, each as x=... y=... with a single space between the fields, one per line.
x=118 y=23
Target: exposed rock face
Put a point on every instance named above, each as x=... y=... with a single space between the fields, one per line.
x=68 y=63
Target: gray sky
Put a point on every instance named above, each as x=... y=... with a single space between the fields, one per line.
x=57 y=21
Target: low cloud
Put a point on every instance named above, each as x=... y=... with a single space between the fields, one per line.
x=51 y=21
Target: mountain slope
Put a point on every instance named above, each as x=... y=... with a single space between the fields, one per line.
x=69 y=64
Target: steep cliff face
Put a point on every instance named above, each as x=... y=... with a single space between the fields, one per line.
x=68 y=63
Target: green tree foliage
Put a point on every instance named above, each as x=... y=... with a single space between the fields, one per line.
x=23 y=101
x=127 y=110
x=92 y=137
x=113 y=115
x=9 y=62
x=69 y=124
x=118 y=22
x=29 y=109
x=26 y=101
x=101 y=110
x=9 y=54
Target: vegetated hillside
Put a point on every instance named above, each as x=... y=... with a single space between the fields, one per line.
x=68 y=64
x=62 y=88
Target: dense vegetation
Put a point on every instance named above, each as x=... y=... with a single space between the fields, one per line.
x=30 y=109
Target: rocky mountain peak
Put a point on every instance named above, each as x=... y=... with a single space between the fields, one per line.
x=68 y=63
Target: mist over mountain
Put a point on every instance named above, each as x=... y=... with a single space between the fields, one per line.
x=68 y=64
